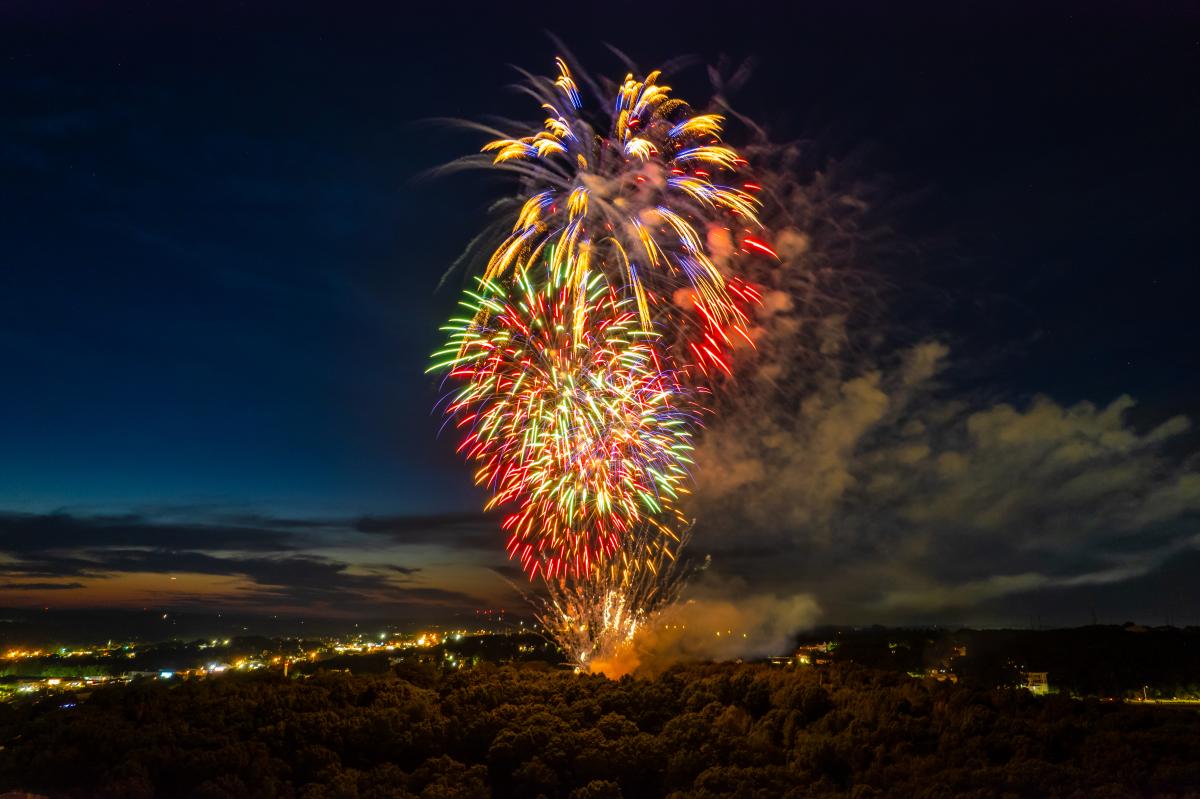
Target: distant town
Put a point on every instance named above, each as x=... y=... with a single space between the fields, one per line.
x=30 y=671
x=1129 y=662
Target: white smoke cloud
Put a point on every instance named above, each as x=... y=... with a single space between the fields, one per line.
x=720 y=621
x=885 y=497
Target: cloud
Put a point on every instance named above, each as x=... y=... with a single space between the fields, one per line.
x=1050 y=474
x=350 y=597
x=407 y=571
x=511 y=572
x=890 y=498
x=211 y=529
x=279 y=561
x=28 y=532
x=451 y=530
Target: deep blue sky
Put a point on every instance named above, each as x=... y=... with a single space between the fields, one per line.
x=218 y=266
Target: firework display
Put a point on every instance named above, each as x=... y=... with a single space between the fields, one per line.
x=653 y=202
x=579 y=370
x=571 y=417
x=593 y=619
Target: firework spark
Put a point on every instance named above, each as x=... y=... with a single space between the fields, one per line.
x=596 y=619
x=570 y=416
x=645 y=198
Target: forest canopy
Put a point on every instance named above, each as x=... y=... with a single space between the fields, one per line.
x=727 y=730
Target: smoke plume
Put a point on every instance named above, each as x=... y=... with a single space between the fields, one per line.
x=719 y=622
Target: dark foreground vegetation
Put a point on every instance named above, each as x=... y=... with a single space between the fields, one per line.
x=1098 y=660
x=698 y=731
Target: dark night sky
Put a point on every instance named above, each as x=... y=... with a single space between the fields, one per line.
x=219 y=262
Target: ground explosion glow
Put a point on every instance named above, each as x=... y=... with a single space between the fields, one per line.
x=588 y=346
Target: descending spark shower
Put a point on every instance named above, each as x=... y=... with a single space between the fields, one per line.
x=590 y=342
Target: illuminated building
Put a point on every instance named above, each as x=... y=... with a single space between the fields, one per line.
x=1036 y=682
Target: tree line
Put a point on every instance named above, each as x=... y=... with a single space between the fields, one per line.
x=719 y=730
